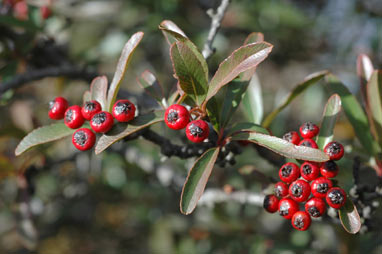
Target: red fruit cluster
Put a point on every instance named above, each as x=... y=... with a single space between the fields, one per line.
x=20 y=9
x=100 y=121
x=177 y=117
x=308 y=183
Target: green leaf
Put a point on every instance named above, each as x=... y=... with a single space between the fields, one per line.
x=300 y=88
x=9 y=21
x=43 y=135
x=188 y=70
x=122 y=130
x=354 y=113
x=349 y=217
x=253 y=101
x=374 y=100
x=331 y=111
x=244 y=127
x=197 y=179
x=150 y=84
x=98 y=90
x=123 y=62
x=251 y=38
x=283 y=147
x=213 y=112
x=242 y=59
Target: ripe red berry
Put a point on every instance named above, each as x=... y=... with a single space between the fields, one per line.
x=20 y=10
x=123 y=111
x=102 y=122
x=287 y=207
x=73 y=117
x=83 y=139
x=176 y=117
x=329 y=169
x=308 y=143
x=197 y=131
x=299 y=190
x=57 y=108
x=315 y=207
x=45 y=12
x=292 y=137
x=289 y=172
x=309 y=170
x=321 y=186
x=301 y=220
x=335 y=150
x=90 y=108
x=271 y=203
x=309 y=130
x=281 y=189
x=336 y=197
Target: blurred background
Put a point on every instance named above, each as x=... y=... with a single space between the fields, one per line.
x=55 y=200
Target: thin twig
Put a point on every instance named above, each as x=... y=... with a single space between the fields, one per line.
x=217 y=18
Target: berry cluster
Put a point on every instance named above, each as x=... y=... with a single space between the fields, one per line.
x=100 y=121
x=20 y=9
x=309 y=183
x=178 y=117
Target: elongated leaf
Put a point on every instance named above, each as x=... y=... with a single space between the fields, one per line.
x=213 y=112
x=331 y=111
x=150 y=84
x=244 y=127
x=300 y=88
x=87 y=96
x=283 y=147
x=364 y=69
x=122 y=130
x=354 y=113
x=123 y=62
x=253 y=101
x=349 y=217
x=98 y=90
x=43 y=135
x=374 y=99
x=168 y=25
x=189 y=72
x=251 y=38
x=242 y=59
x=197 y=180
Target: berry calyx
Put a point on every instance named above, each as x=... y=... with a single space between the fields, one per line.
x=299 y=190
x=309 y=130
x=124 y=111
x=292 y=137
x=197 y=131
x=90 y=108
x=102 y=122
x=321 y=186
x=309 y=170
x=281 y=190
x=271 y=203
x=289 y=172
x=336 y=197
x=301 y=220
x=57 y=108
x=335 y=150
x=308 y=143
x=83 y=139
x=73 y=117
x=176 y=117
x=315 y=207
x=329 y=169
x=287 y=207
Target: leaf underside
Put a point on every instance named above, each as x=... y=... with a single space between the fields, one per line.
x=374 y=99
x=98 y=90
x=349 y=217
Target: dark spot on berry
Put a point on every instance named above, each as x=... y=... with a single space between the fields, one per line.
x=296 y=190
x=307 y=169
x=286 y=170
x=69 y=115
x=288 y=136
x=298 y=222
x=90 y=106
x=278 y=191
x=99 y=118
x=334 y=148
x=307 y=127
x=284 y=209
x=267 y=202
x=122 y=108
x=330 y=166
x=51 y=104
x=336 y=197
x=306 y=143
x=195 y=130
x=80 y=138
x=313 y=211
x=172 y=116
x=322 y=187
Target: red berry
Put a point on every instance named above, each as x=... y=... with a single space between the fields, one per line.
x=176 y=117
x=197 y=131
x=57 y=108
x=321 y=186
x=309 y=130
x=45 y=12
x=73 y=117
x=83 y=139
x=335 y=150
x=102 y=122
x=287 y=207
x=90 y=108
x=281 y=190
x=301 y=220
x=309 y=170
x=329 y=169
x=292 y=137
x=123 y=111
x=289 y=172
x=308 y=143
x=336 y=197
x=315 y=207
x=20 y=10
x=299 y=190
x=271 y=203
